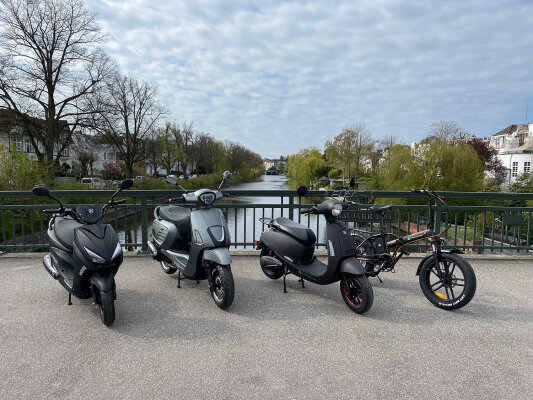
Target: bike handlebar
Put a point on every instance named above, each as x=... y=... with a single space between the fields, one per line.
x=119 y=202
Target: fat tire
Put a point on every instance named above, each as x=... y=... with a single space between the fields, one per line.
x=270 y=273
x=226 y=280
x=469 y=277
x=169 y=270
x=107 y=308
x=366 y=291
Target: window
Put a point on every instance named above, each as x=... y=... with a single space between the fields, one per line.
x=527 y=166
x=19 y=143
x=515 y=169
x=28 y=148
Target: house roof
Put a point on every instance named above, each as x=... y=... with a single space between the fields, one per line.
x=8 y=118
x=506 y=131
x=511 y=129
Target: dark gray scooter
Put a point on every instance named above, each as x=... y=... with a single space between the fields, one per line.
x=288 y=247
x=85 y=254
x=195 y=244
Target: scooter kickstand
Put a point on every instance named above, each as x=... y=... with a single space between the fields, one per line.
x=179 y=279
x=69 y=299
x=302 y=280
x=284 y=281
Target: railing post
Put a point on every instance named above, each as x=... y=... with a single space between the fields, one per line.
x=144 y=224
x=291 y=206
x=438 y=216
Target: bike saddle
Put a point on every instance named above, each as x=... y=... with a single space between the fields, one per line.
x=64 y=230
x=297 y=231
x=380 y=209
x=175 y=214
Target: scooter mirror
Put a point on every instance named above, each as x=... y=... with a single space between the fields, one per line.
x=126 y=183
x=226 y=175
x=352 y=182
x=171 y=179
x=41 y=191
x=302 y=191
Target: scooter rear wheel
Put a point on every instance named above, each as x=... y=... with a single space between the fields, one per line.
x=359 y=295
x=224 y=286
x=106 y=306
x=271 y=273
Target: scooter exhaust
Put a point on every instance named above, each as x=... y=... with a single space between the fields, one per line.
x=270 y=262
x=47 y=262
x=152 y=250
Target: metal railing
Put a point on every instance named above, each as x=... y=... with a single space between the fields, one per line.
x=480 y=228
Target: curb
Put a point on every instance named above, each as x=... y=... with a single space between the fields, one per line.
x=321 y=253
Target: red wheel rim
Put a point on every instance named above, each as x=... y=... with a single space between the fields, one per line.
x=360 y=292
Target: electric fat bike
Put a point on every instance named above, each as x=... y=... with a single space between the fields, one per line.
x=446 y=279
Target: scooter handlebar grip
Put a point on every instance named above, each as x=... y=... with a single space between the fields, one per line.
x=120 y=201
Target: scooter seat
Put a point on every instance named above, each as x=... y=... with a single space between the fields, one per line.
x=175 y=214
x=296 y=230
x=64 y=230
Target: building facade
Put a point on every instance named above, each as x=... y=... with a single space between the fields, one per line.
x=514 y=145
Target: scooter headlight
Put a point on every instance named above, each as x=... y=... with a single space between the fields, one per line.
x=336 y=210
x=95 y=258
x=117 y=252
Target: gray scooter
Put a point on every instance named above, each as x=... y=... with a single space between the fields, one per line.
x=195 y=244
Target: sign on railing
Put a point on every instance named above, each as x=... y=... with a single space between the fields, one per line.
x=361 y=216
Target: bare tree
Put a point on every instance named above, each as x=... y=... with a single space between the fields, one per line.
x=449 y=131
x=131 y=113
x=50 y=63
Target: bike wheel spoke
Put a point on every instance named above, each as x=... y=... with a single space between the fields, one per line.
x=453 y=269
x=440 y=287
x=447 y=293
x=436 y=283
x=451 y=291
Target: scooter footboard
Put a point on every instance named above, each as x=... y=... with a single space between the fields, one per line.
x=219 y=255
x=352 y=266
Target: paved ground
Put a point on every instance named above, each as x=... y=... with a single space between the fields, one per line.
x=175 y=343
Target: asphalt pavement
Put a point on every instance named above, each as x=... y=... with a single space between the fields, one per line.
x=170 y=343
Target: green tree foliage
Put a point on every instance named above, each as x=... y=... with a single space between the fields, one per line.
x=303 y=166
x=348 y=150
x=18 y=172
x=436 y=166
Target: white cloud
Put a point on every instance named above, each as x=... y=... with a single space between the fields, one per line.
x=280 y=76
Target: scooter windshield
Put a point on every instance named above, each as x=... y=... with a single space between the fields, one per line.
x=90 y=213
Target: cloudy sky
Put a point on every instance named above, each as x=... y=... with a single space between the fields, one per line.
x=279 y=76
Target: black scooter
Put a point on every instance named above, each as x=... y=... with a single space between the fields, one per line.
x=288 y=247
x=85 y=254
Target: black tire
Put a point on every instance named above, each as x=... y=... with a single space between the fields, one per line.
x=106 y=306
x=167 y=267
x=271 y=273
x=224 y=286
x=444 y=293
x=360 y=296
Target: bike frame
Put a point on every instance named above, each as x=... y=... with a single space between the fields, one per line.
x=387 y=261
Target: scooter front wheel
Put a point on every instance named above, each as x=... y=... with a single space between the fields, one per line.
x=224 y=289
x=106 y=307
x=358 y=295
